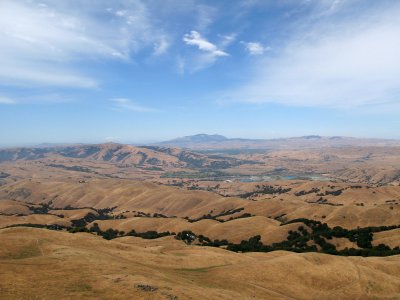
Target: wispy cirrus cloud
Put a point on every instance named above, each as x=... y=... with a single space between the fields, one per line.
x=6 y=100
x=45 y=44
x=255 y=48
x=341 y=63
x=161 y=46
x=125 y=104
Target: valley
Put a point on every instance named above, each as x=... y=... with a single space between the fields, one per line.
x=126 y=213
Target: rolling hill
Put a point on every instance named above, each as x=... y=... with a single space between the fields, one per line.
x=123 y=154
x=87 y=267
x=118 y=221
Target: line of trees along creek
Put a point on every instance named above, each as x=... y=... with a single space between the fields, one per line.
x=313 y=236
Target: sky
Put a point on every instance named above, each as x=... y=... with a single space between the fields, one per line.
x=140 y=71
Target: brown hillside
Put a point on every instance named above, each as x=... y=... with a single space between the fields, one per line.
x=87 y=267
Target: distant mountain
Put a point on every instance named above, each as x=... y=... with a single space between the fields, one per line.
x=311 y=137
x=199 y=138
x=199 y=141
x=219 y=142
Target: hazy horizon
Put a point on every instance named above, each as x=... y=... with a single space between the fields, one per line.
x=150 y=142
x=133 y=71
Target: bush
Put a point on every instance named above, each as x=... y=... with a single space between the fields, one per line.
x=187 y=236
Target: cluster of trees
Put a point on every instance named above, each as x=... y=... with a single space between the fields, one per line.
x=359 y=235
x=50 y=227
x=71 y=168
x=142 y=214
x=314 y=236
x=150 y=234
x=325 y=201
x=296 y=244
x=175 y=182
x=302 y=193
x=105 y=211
x=110 y=233
x=303 y=240
x=42 y=209
x=157 y=215
x=215 y=217
x=4 y=175
x=187 y=236
x=245 y=215
x=266 y=189
x=321 y=233
x=103 y=214
x=334 y=193
x=90 y=217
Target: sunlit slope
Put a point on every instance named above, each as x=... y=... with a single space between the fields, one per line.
x=120 y=154
x=84 y=266
x=234 y=231
x=125 y=195
x=375 y=206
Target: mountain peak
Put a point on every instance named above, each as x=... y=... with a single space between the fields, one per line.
x=204 y=136
x=311 y=137
x=201 y=138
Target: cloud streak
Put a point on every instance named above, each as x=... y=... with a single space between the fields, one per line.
x=255 y=48
x=209 y=52
x=125 y=104
x=6 y=100
x=195 y=39
x=346 y=64
x=46 y=44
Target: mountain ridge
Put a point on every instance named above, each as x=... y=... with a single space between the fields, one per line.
x=218 y=142
x=121 y=154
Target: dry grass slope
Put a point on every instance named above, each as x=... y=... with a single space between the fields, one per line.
x=83 y=266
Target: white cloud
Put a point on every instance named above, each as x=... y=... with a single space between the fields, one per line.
x=161 y=46
x=227 y=40
x=345 y=64
x=28 y=74
x=255 y=48
x=209 y=52
x=47 y=44
x=121 y=13
x=195 y=39
x=6 y=100
x=205 y=15
x=127 y=104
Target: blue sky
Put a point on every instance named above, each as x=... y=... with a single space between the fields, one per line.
x=142 y=71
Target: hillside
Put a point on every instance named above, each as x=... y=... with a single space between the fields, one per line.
x=268 y=211
x=375 y=165
x=155 y=222
x=86 y=267
x=122 y=154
